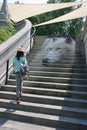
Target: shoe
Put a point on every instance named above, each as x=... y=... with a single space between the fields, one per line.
x=20 y=93
x=18 y=101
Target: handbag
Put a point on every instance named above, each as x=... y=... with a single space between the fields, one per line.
x=23 y=68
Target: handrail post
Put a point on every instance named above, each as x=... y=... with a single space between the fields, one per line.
x=32 y=35
x=7 y=69
x=30 y=43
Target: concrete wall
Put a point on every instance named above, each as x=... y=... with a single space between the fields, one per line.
x=85 y=41
x=8 y=49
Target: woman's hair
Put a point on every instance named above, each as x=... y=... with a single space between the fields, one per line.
x=19 y=54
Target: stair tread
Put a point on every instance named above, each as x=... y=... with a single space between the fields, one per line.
x=46 y=106
x=58 y=78
x=50 y=89
x=46 y=97
x=56 y=68
x=47 y=77
x=52 y=83
x=39 y=71
x=44 y=116
x=75 y=64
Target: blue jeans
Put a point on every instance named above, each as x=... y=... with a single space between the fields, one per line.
x=19 y=84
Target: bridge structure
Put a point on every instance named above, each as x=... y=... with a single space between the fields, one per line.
x=54 y=96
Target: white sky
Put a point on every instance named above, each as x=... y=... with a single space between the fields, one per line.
x=27 y=1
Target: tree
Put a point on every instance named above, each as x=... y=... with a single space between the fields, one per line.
x=71 y=27
x=6 y=31
x=17 y=2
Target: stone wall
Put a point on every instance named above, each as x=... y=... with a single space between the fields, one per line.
x=85 y=42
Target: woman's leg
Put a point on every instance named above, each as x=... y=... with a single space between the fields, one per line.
x=19 y=84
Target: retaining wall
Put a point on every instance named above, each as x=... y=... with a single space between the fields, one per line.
x=85 y=42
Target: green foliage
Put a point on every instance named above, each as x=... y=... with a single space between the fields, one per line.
x=6 y=31
x=71 y=27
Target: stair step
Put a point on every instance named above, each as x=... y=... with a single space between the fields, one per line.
x=66 y=61
x=48 y=91
x=58 y=74
x=37 y=51
x=48 y=69
x=44 y=119
x=63 y=63
x=52 y=100
x=54 y=79
x=45 y=109
x=60 y=65
x=36 y=55
x=25 y=126
x=51 y=85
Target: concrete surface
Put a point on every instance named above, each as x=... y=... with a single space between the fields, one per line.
x=6 y=124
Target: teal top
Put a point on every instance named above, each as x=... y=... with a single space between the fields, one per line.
x=17 y=63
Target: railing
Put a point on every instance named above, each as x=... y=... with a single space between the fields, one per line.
x=8 y=50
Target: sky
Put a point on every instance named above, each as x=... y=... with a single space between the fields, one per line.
x=27 y=1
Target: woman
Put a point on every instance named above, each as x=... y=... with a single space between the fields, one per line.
x=18 y=59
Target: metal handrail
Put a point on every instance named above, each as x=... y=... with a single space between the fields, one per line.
x=33 y=31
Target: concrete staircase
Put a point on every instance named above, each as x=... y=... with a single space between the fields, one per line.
x=54 y=96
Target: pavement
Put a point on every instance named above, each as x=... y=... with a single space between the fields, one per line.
x=6 y=124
